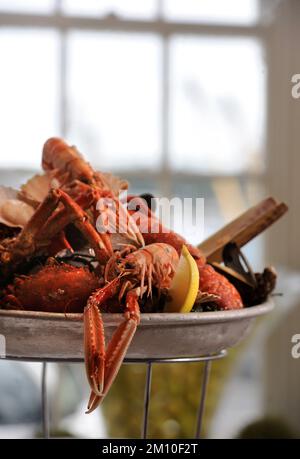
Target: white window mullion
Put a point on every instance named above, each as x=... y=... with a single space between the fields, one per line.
x=63 y=83
x=165 y=178
x=62 y=66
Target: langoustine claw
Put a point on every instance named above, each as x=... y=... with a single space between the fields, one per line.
x=130 y=277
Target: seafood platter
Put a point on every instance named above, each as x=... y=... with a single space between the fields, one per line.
x=83 y=276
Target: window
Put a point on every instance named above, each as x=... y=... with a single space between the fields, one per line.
x=28 y=94
x=114 y=98
x=27 y=6
x=133 y=9
x=168 y=93
x=216 y=105
x=212 y=11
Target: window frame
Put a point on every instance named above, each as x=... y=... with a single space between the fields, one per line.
x=63 y=23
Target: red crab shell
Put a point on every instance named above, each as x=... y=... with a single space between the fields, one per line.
x=59 y=288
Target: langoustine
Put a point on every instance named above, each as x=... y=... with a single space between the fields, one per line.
x=130 y=276
x=90 y=189
x=211 y=282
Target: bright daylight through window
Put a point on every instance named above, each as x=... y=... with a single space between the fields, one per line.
x=139 y=86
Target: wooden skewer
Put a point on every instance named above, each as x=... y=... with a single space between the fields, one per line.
x=243 y=229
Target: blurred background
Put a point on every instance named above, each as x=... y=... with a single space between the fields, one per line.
x=182 y=98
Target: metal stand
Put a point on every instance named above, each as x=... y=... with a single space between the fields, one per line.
x=207 y=367
x=45 y=410
x=147 y=400
x=207 y=360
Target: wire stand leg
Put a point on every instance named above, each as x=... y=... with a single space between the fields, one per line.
x=207 y=367
x=45 y=411
x=147 y=400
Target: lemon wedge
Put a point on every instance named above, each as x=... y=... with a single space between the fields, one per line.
x=185 y=284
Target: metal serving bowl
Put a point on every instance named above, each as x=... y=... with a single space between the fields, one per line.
x=49 y=336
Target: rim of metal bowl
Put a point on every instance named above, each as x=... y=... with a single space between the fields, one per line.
x=154 y=318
